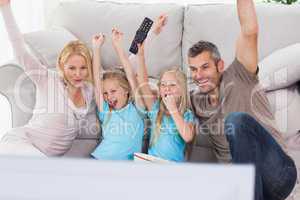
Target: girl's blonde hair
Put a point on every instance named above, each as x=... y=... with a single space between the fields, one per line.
x=120 y=76
x=184 y=100
x=75 y=48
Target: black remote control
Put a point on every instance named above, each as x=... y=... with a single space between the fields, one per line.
x=140 y=35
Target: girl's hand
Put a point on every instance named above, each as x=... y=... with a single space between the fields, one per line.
x=159 y=23
x=170 y=103
x=141 y=50
x=4 y=2
x=98 y=40
x=117 y=38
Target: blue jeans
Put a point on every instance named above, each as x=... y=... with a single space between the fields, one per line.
x=250 y=142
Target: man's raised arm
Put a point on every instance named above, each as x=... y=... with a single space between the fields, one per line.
x=247 y=47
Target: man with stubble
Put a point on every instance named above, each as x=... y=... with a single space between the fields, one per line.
x=235 y=113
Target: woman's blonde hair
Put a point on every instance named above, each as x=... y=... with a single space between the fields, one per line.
x=184 y=100
x=75 y=48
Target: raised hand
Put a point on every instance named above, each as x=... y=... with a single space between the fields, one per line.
x=141 y=50
x=170 y=103
x=98 y=40
x=4 y=2
x=117 y=38
x=159 y=23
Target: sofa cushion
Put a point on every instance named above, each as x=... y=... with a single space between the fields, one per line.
x=281 y=68
x=219 y=24
x=285 y=104
x=92 y=17
x=82 y=148
x=46 y=45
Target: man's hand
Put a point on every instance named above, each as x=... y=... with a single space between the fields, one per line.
x=98 y=40
x=159 y=23
x=246 y=47
x=4 y=2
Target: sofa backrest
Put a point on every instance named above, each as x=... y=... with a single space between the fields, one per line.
x=218 y=23
x=84 y=19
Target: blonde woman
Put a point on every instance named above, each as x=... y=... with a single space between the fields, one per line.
x=172 y=121
x=64 y=100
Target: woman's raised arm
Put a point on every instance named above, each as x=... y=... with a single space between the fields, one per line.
x=32 y=67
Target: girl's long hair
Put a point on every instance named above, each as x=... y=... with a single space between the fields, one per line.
x=184 y=100
x=119 y=75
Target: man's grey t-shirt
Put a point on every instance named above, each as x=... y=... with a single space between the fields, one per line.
x=240 y=91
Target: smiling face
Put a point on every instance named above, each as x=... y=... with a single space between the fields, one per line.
x=114 y=94
x=205 y=72
x=169 y=86
x=75 y=70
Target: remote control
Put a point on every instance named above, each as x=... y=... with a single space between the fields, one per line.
x=140 y=35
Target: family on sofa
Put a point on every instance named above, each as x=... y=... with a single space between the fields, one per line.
x=225 y=104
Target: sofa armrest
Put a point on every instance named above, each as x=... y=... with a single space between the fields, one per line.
x=20 y=92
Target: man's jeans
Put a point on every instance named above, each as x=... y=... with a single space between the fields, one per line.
x=250 y=142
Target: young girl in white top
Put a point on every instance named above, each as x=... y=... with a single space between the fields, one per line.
x=172 y=121
x=64 y=100
x=117 y=102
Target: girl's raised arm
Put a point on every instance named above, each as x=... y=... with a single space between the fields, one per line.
x=148 y=96
x=143 y=81
x=98 y=41
x=117 y=38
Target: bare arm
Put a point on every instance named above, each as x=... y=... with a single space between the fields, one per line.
x=148 y=96
x=246 y=47
x=32 y=67
x=117 y=37
x=186 y=129
x=143 y=81
x=97 y=70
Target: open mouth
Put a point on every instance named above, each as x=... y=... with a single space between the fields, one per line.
x=202 y=82
x=112 y=103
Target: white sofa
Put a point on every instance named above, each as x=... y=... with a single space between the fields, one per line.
x=186 y=25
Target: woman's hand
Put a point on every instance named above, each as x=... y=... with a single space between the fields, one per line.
x=117 y=39
x=98 y=40
x=4 y=2
x=159 y=23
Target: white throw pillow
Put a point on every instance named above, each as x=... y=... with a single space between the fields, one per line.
x=281 y=68
x=47 y=44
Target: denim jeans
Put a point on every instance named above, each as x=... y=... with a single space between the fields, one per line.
x=250 y=142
